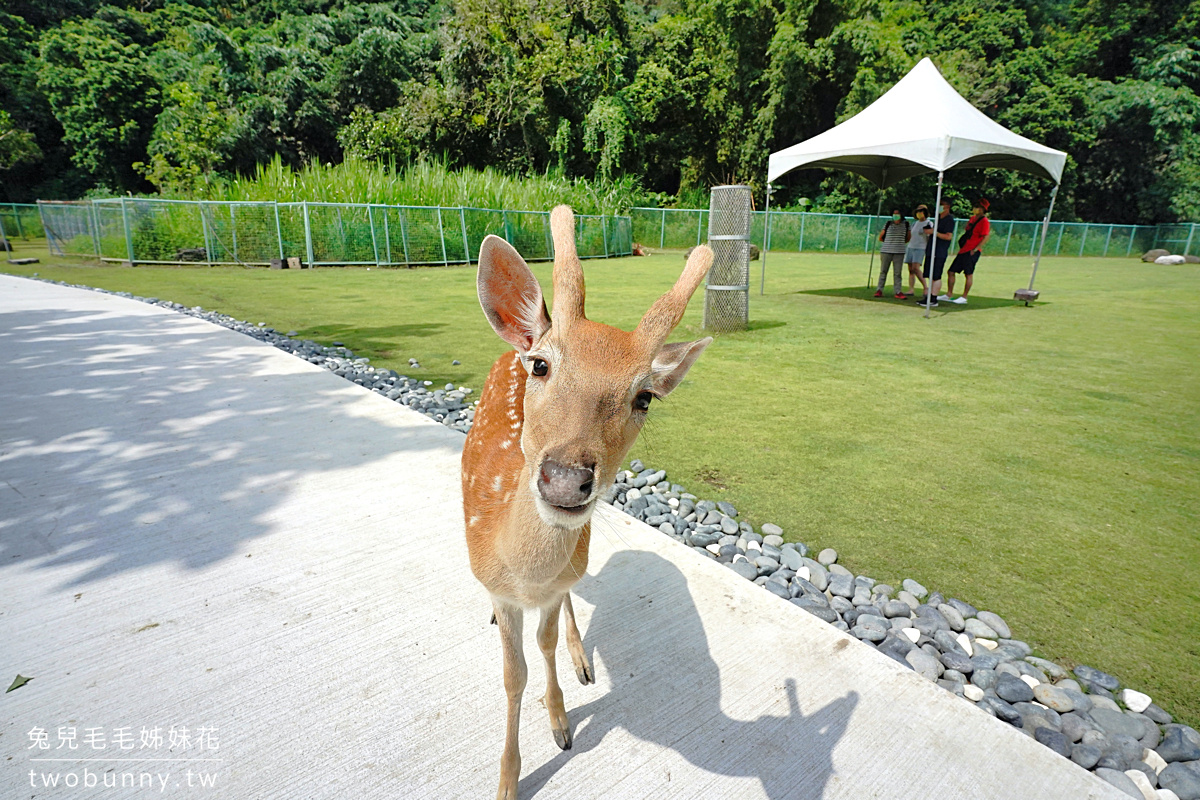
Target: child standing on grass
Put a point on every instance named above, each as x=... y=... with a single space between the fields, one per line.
x=895 y=236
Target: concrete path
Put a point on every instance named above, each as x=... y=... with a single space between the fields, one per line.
x=200 y=531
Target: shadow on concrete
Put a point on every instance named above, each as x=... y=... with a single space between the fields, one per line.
x=671 y=695
x=131 y=440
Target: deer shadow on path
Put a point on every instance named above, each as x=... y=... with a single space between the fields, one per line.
x=669 y=694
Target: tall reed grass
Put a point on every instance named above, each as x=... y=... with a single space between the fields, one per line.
x=430 y=183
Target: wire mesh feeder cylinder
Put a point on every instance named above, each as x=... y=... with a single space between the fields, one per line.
x=727 y=294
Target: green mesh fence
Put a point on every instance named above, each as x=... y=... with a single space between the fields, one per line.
x=852 y=233
x=150 y=231
x=21 y=221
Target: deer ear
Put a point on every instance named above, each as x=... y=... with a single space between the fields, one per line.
x=511 y=297
x=673 y=362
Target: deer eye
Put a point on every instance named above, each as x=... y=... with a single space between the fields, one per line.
x=642 y=401
x=540 y=368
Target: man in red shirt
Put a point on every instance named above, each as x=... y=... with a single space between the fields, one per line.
x=971 y=243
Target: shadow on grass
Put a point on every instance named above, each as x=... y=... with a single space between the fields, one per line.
x=867 y=294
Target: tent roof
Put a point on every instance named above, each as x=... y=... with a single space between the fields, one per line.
x=920 y=125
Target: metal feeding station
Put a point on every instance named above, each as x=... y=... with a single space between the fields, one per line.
x=727 y=293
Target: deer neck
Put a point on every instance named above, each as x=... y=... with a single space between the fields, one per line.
x=536 y=551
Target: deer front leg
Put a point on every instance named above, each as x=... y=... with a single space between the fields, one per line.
x=583 y=670
x=547 y=637
x=510 y=618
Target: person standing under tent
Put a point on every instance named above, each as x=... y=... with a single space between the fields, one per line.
x=935 y=257
x=970 y=248
x=895 y=236
x=914 y=256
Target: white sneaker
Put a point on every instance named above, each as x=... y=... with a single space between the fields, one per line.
x=962 y=301
x=944 y=298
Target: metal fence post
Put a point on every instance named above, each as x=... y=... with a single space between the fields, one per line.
x=404 y=236
x=3 y=235
x=1083 y=239
x=837 y=234
x=204 y=231
x=1062 y=226
x=442 y=236
x=95 y=219
x=662 y=231
x=308 y=244
x=128 y=234
x=462 y=217
x=699 y=226
x=604 y=232
x=233 y=230
x=1132 y=231
x=546 y=231
x=20 y=230
x=374 y=241
x=800 y=244
x=1191 y=232
x=387 y=236
x=278 y=229
x=1008 y=238
x=1107 y=239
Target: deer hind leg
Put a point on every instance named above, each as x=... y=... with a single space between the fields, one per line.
x=547 y=637
x=510 y=619
x=583 y=669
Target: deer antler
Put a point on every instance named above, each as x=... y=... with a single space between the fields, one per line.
x=568 y=272
x=666 y=312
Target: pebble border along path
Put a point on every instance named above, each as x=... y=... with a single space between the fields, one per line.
x=1119 y=734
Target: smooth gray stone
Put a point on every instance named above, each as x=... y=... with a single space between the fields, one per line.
x=1085 y=755
x=1074 y=726
x=842 y=626
x=728 y=526
x=979 y=630
x=1048 y=667
x=827 y=556
x=883 y=590
x=1158 y=715
x=897 y=647
x=1104 y=701
x=712 y=518
x=1101 y=679
x=966 y=609
x=923 y=664
x=1017 y=644
x=776 y=589
x=819 y=611
x=953 y=618
x=908 y=599
x=871 y=622
x=1004 y=711
x=1029 y=669
x=1013 y=690
x=841 y=585
x=1121 y=781
x=953 y=675
x=868 y=634
x=773 y=552
x=925 y=625
x=1006 y=668
x=947 y=643
x=771 y=529
x=819 y=577
x=745 y=569
x=806 y=588
x=931 y=613
x=863 y=580
x=840 y=604
x=728 y=550
x=994 y=622
x=1054 y=740
x=838 y=569
x=1053 y=697
x=985 y=678
x=1096 y=738
x=1127 y=747
x=1179 y=743
x=851 y=616
x=1081 y=701
x=766 y=562
x=791 y=559
x=984 y=660
x=862 y=596
x=952 y=686
x=1114 y=722
x=896 y=608
x=1181 y=780
x=1153 y=736
x=1146 y=770
x=727 y=509
x=958 y=662
x=915 y=589
x=935 y=599
x=1043 y=716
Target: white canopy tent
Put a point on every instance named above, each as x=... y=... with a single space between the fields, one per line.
x=920 y=125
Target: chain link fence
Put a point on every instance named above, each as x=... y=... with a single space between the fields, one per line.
x=852 y=233
x=152 y=231
x=20 y=221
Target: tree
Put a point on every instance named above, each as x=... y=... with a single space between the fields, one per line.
x=189 y=141
x=16 y=146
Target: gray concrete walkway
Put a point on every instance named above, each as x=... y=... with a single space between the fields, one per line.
x=199 y=531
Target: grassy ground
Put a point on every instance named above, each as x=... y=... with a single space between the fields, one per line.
x=1041 y=462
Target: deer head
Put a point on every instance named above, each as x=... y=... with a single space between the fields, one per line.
x=588 y=386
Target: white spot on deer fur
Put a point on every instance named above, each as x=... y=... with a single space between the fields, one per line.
x=472 y=521
x=508 y=497
x=507 y=443
x=497 y=483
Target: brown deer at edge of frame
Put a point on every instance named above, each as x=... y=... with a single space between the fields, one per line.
x=555 y=419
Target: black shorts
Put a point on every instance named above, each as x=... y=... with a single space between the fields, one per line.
x=965 y=262
x=939 y=264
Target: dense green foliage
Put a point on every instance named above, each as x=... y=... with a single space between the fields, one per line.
x=179 y=94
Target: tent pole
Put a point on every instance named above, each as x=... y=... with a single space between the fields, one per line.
x=878 y=211
x=932 y=254
x=766 y=243
x=1045 y=228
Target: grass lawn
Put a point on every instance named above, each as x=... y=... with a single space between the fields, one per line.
x=1040 y=462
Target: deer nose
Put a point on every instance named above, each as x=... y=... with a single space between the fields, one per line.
x=563 y=486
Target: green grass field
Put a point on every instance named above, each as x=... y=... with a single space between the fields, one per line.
x=1040 y=462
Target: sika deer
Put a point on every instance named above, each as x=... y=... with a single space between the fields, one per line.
x=555 y=420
